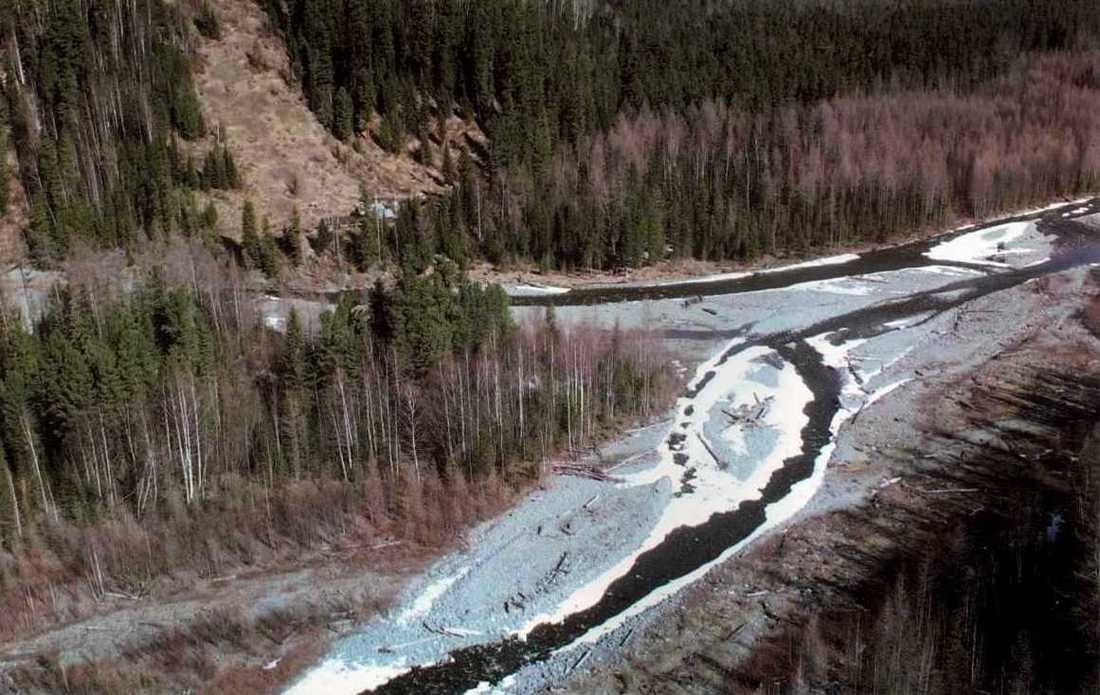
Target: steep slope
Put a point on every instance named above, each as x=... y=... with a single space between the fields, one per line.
x=287 y=159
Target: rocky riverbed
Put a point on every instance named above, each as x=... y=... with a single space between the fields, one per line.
x=824 y=364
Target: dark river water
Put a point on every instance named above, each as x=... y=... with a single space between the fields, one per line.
x=687 y=549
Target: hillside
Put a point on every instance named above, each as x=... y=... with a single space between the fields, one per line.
x=287 y=158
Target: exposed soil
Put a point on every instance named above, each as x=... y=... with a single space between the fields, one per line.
x=285 y=155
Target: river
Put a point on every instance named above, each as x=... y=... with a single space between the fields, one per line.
x=786 y=358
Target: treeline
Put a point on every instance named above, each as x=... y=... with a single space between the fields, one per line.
x=719 y=182
x=547 y=72
x=172 y=406
x=624 y=133
x=98 y=97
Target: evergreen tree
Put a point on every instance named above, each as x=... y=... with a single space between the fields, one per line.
x=206 y=21
x=4 y=191
x=292 y=238
x=250 y=238
x=343 y=122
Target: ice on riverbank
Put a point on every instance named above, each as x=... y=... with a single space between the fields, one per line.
x=983 y=246
x=724 y=384
x=337 y=677
x=532 y=290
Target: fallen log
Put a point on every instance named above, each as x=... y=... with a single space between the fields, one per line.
x=578 y=662
x=581 y=471
x=721 y=464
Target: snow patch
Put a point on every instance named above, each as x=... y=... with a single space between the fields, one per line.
x=275 y=323
x=831 y=260
x=978 y=247
x=714 y=490
x=427 y=598
x=722 y=277
x=532 y=290
x=885 y=391
x=952 y=271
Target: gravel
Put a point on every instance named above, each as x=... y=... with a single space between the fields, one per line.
x=530 y=561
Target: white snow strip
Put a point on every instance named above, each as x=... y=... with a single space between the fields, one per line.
x=884 y=391
x=529 y=290
x=720 y=277
x=831 y=260
x=1053 y=206
x=907 y=321
x=714 y=490
x=953 y=271
x=978 y=247
x=337 y=677
x=427 y=598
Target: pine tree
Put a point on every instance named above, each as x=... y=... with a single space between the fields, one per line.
x=4 y=192
x=250 y=238
x=11 y=519
x=292 y=372
x=209 y=216
x=207 y=22
x=292 y=238
x=343 y=123
x=232 y=175
x=187 y=112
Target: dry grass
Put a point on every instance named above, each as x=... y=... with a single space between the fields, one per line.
x=65 y=573
x=220 y=650
x=227 y=644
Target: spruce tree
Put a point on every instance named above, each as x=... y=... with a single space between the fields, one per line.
x=250 y=238
x=343 y=123
x=4 y=192
x=292 y=238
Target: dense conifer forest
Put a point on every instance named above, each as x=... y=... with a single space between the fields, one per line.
x=624 y=132
x=619 y=133
x=98 y=98
x=168 y=421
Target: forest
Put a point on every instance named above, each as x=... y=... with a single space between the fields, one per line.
x=100 y=106
x=621 y=134
x=162 y=425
